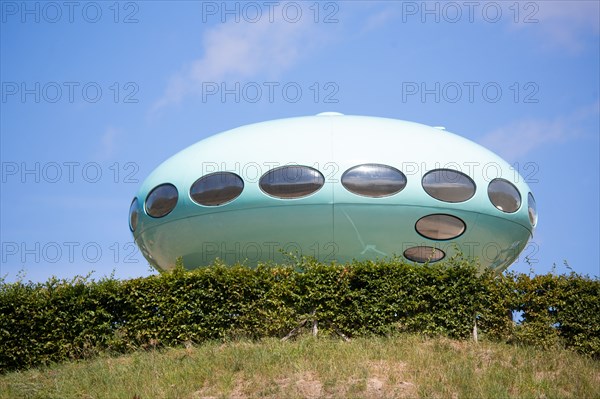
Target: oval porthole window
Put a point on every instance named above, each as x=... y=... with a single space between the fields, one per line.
x=373 y=180
x=217 y=188
x=424 y=254
x=440 y=227
x=291 y=182
x=448 y=185
x=532 y=208
x=504 y=195
x=133 y=214
x=161 y=200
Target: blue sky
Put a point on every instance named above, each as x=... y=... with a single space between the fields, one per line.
x=95 y=95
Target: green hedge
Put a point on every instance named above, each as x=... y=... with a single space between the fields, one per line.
x=59 y=320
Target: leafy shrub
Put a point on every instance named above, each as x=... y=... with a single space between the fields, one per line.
x=72 y=319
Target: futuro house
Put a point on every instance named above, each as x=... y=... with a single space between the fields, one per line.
x=336 y=187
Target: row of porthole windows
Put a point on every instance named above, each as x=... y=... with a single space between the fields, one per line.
x=370 y=180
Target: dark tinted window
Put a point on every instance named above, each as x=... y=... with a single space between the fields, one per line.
x=161 y=200
x=504 y=195
x=291 y=181
x=133 y=214
x=440 y=227
x=372 y=180
x=216 y=188
x=424 y=254
x=448 y=185
x=532 y=209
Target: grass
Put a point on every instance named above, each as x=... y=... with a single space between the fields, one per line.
x=376 y=367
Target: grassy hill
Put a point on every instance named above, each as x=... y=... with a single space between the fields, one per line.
x=404 y=366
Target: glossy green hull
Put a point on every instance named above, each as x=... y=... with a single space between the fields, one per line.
x=332 y=223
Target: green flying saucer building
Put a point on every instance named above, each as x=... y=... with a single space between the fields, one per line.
x=335 y=187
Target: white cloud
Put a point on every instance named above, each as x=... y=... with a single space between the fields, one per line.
x=520 y=138
x=244 y=50
x=381 y=18
x=107 y=144
x=561 y=24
